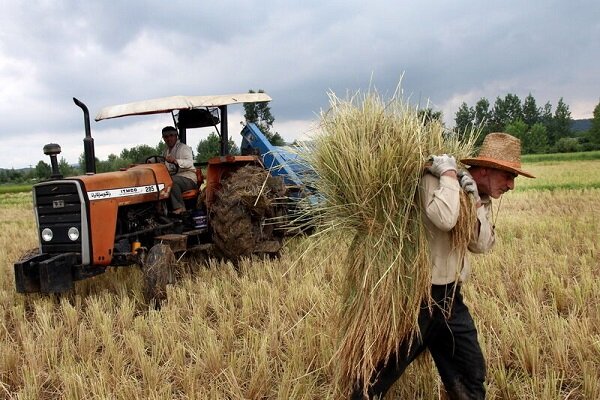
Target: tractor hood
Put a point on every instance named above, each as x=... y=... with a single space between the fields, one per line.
x=131 y=186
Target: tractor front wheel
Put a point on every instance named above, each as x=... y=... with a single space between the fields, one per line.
x=159 y=271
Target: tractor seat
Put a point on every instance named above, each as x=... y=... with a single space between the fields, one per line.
x=190 y=194
x=193 y=193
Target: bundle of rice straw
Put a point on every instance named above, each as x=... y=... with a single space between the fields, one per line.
x=369 y=159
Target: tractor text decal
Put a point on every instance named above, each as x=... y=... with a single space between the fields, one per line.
x=123 y=192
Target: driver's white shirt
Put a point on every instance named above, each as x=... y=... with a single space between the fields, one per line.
x=185 y=159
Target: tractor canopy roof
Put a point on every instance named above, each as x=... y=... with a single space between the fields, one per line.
x=173 y=103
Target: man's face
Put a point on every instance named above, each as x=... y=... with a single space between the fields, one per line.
x=170 y=139
x=498 y=182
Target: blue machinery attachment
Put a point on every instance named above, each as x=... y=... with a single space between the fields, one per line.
x=278 y=160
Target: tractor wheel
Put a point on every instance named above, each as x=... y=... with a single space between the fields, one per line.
x=159 y=271
x=243 y=216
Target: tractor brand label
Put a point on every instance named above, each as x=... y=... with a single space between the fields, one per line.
x=124 y=192
x=58 y=204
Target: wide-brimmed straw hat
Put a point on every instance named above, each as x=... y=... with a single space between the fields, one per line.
x=500 y=151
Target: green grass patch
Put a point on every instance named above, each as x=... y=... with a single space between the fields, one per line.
x=559 y=186
x=568 y=175
x=553 y=157
x=15 y=199
x=15 y=188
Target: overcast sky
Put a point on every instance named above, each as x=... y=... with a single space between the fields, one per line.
x=107 y=53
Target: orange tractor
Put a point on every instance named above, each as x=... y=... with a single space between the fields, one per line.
x=90 y=222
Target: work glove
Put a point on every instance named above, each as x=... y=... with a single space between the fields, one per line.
x=468 y=184
x=441 y=164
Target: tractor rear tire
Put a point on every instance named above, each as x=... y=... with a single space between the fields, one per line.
x=244 y=212
x=159 y=271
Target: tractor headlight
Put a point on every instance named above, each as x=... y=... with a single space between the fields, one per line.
x=47 y=234
x=73 y=233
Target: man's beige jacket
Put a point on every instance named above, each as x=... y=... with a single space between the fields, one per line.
x=441 y=202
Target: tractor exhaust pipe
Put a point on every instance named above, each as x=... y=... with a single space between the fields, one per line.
x=88 y=141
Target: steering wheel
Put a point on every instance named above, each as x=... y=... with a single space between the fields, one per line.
x=173 y=168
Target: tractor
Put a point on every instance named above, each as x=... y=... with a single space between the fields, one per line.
x=88 y=223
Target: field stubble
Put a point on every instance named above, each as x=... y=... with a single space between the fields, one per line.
x=269 y=330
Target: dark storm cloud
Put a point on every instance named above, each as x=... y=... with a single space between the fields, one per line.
x=110 y=53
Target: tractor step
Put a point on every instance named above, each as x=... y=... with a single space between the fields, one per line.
x=175 y=241
x=199 y=231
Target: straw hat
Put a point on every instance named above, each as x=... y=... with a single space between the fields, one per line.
x=500 y=151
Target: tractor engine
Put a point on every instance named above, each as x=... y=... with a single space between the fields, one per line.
x=136 y=226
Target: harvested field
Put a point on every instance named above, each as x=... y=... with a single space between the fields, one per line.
x=267 y=331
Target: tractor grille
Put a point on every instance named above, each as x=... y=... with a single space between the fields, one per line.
x=58 y=207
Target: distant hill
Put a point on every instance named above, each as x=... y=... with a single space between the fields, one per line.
x=581 y=125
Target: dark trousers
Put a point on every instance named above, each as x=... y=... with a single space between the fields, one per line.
x=448 y=331
x=180 y=185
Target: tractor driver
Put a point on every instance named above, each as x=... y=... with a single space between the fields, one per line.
x=181 y=155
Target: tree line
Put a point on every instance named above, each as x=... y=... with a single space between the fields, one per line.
x=541 y=129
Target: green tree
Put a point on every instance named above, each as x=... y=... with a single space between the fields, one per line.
x=211 y=146
x=594 y=132
x=463 y=120
x=138 y=154
x=482 y=112
x=133 y=155
x=513 y=106
x=531 y=112
x=537 y=139
x=82 y=161
x=275 y=139
x=546 y=119
x=518 y=129
x=505 y=111
x=43 y=170
x=566 y=145
x=260 y=114
x=533 y=140
x=3 y=175
x=14 y=176
x=66 y=169
x=483 y=117
x=561 y=123
x=160 y=147
x=499 y=115
x=427 y=115
x=112 y=163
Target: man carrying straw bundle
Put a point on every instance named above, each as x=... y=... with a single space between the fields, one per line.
x=445 y=325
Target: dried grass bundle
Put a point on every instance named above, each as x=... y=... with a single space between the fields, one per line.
x=369 y=159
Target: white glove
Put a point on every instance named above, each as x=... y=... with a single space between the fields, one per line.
x=468 y=184
x=441 y=164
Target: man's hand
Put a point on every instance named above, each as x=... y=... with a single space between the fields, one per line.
x=468 y=184
x=171 y=159
x=441 y=164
